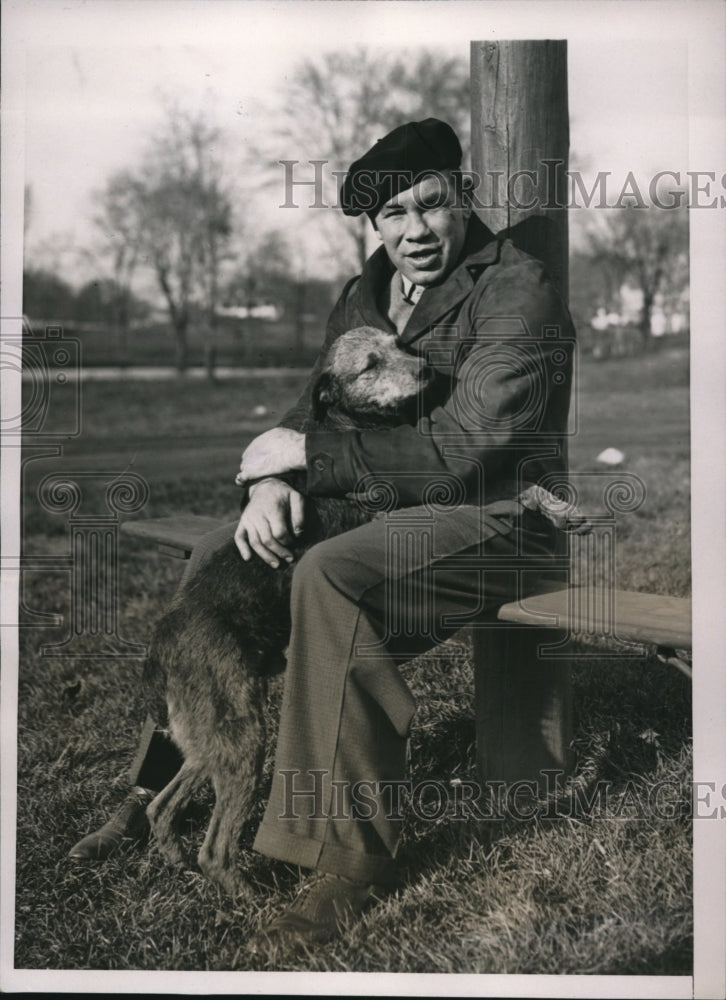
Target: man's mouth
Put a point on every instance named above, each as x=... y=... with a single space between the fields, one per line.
x=426 y=257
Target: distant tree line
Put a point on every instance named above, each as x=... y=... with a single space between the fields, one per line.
x=644 y=249
x=101 y=300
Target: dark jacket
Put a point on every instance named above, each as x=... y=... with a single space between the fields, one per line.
x=501 y=339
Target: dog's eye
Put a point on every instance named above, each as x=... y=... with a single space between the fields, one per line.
x=371 y=363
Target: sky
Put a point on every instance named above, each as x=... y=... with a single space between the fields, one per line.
x=95 y=74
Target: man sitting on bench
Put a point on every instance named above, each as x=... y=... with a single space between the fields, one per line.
x=489 y=319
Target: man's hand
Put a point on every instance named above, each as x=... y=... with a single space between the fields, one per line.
x=564 y=515
x=272 y=453
x=272 y=517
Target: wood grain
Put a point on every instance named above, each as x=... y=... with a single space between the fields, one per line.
x=521 y=143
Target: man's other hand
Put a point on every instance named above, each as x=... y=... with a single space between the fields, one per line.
x=564 y=514
x=272 y=518
x=272 y=453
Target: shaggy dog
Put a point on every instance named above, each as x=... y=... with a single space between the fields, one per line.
x=226 y=631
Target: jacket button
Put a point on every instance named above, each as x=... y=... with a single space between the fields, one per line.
x=319 y=464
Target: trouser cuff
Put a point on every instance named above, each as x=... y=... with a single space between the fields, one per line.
x=332 y=858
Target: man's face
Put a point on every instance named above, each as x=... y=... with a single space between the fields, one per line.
x=423 y=229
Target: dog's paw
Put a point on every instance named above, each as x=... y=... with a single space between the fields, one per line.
x=173 y=853
x=230 y=880
x=168 y=843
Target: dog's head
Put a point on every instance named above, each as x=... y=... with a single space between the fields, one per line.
x=368 y=378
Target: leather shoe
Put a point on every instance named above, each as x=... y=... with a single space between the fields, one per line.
x=326 y=905
x=129 y=823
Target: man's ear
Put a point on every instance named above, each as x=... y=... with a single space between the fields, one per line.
x=324 y=394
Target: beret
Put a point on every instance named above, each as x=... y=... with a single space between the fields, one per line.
x=395 y=163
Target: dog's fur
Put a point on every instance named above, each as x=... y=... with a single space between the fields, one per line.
x=226 y=631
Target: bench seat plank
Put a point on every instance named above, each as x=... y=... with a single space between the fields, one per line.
x=654 y=618
x=649 y=618
x=176 y=535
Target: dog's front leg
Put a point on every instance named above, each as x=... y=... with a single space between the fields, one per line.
x=165 y=810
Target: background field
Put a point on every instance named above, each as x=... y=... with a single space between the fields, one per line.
x=611 y=894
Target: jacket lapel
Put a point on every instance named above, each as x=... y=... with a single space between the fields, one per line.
x=436 y=302
x=375 y=279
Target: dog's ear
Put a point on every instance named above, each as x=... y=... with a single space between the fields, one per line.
x=324 y=393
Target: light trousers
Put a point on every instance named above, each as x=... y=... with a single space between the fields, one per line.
x=362 y=603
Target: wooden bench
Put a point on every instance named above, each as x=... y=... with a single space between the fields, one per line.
x=652 y=619
x=174 y=536
x=522 y=682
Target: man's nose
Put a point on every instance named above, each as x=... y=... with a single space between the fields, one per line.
x=416 y=228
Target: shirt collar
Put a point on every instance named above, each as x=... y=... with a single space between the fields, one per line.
x=410 y=291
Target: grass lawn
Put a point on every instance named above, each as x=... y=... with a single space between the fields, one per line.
x=607 y=893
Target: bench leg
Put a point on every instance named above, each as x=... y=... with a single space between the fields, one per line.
x=523 y=705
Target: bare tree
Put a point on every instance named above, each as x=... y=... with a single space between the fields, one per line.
x=270 y=271
x=174 y=214
x=214 y=232
x=119 y=223
x=336 y=107
x=646 y=246
x=186 y=222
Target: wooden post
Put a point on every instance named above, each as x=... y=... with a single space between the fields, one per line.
x=520 y=135
x=520 y=150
